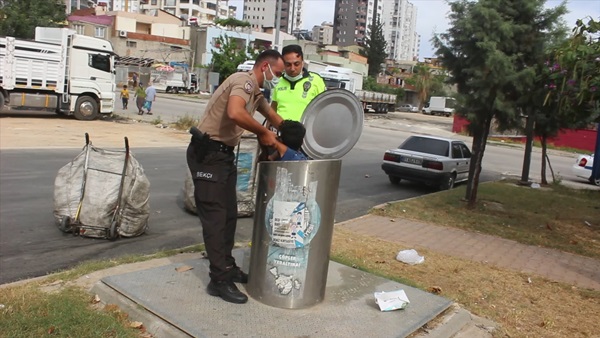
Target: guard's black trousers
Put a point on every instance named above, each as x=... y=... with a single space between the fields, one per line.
x=215 y=178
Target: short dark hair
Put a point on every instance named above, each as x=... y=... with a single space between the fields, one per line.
x=269 y=55
x=292 y=134
x=292 y=49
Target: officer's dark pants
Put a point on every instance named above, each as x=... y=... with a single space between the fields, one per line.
x=215 y=177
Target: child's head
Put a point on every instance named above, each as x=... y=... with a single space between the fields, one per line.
x=124 y=86
x=292 y=133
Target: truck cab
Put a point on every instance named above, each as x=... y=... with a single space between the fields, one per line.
x=338 y=77
x=60 y=71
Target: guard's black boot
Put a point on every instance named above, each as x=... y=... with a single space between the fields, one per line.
x=227 y=291
x=239 y=276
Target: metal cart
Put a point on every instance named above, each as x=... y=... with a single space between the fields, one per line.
x=75 y=226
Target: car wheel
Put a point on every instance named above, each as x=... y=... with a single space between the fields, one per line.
x=449 y=182
x=394 y=179
x=594 y=181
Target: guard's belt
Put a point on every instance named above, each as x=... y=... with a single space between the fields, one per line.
x=204 y=140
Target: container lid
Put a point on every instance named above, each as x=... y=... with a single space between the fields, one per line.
x=333 y=122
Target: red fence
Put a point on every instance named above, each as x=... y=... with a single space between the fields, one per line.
x=584 y=139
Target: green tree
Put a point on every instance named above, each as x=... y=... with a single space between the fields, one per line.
x=569 y=85
x=374 y=48
x=232 y=22
x=229 y=55
x=18 y=18
x=426 y=83
x=489 y=51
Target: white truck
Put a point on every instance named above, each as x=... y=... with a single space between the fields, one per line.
x=246 y=66
x=346 y=78
x=59 y=71
x=440 y=105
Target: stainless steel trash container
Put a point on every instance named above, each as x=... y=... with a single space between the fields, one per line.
x=293 y=228
x=295 y=207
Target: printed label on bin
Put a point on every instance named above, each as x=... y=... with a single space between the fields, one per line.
x=292 y=219
x=334 y=122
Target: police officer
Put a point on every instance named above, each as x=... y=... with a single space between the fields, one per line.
x=297 y=87
x=211 y=158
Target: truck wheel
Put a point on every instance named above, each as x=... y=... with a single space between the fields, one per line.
x=86 y=108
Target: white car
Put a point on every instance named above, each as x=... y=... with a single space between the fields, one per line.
x=409 y=108
x=431 y=160
x=583 y=168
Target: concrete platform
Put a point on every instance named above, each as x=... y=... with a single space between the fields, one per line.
x=175 y=303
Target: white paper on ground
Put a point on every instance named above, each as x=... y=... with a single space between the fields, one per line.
x=410 y=257
x=389 y=301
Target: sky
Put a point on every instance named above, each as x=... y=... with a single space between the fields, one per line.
x=431 y=16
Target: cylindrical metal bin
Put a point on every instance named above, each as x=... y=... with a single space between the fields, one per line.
x=293 y=229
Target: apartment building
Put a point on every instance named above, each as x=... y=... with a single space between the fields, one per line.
x=352 y=19
x=399 y=19
x=196 y=12
x=323 y=34
x=262 y=14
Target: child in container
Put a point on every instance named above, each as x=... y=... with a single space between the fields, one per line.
x=291 y=134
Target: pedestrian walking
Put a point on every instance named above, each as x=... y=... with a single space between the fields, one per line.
x=125 y=96
x=140 y=98
x=150 y=98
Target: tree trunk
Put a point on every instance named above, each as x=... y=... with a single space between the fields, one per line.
x=480 y=135
x=544 y=139
x=528 y=147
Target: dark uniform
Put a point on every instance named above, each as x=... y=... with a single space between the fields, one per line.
x=211 y=161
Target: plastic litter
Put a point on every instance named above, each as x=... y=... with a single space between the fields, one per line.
x=535 y=185
x=410 y=257
x=390 y=301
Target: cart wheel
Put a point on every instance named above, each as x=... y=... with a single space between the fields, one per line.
x=112 y=235
x=65 y=224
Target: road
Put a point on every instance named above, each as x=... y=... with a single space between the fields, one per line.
x=31 y=245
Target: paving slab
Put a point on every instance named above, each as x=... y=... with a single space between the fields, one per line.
x=348 y=310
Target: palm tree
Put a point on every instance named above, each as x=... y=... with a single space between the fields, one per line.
x=423 y=81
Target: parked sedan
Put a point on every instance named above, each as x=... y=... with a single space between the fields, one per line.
x=583 y=168
x=407 y=108
x=431 y=160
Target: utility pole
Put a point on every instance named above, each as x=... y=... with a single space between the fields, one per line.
x=277 y=23
x=126 y=5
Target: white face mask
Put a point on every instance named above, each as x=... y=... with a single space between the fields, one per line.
x=270 y=84
x=295 y=78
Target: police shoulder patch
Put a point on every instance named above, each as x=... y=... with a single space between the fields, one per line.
x=248 y=86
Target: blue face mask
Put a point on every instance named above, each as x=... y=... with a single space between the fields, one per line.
x=270 y=84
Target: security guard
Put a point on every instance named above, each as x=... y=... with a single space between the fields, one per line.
x=210 y=158
x=297 y=87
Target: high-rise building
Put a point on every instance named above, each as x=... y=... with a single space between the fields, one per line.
x=323 y=34
x=399 y=20
x=262 y=14
x=353 y=19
